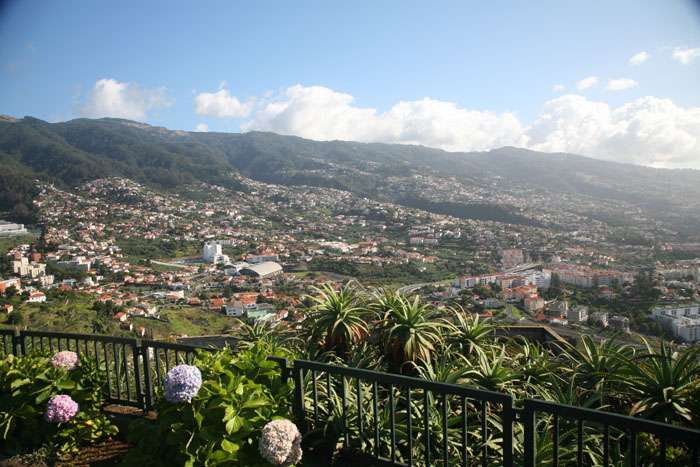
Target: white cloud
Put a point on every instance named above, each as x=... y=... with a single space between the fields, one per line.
x=646 y=131
x=320 y=113
x=587 y=82
x=202 y=127
x=110 y=98
x=685 y=55
x=558 y=87
x=620 y=84
x=639 y=58
x=221 y=104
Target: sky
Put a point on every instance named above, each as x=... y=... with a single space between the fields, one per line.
x=617 y=80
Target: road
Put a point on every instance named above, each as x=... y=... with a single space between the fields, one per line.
x=409 y=289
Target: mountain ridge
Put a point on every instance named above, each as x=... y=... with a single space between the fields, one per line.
x=73 y=151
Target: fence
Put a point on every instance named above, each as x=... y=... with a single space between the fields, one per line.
x=398 y=419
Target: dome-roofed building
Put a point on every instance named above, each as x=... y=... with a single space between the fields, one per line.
x=266 y=269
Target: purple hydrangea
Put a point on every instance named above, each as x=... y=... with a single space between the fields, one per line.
x=280 y=443
x=182 y=383
x=60 y=409
x=66 y=358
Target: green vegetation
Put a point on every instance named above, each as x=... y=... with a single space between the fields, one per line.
x=27 y=385
x=223 y=422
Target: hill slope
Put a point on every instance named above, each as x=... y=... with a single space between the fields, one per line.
x=70 y=152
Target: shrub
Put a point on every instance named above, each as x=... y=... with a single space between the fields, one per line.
x=223 y=421
x=39 y=401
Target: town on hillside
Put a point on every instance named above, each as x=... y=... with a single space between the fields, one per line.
x=116 y=257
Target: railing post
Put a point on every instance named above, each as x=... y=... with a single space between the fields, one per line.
x=136 y=352
x=528 y=414
x=298 y=376
x=147 y=376
x=17 y=340
x=508 y=420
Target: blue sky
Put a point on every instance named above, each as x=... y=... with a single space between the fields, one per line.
x=548 y=75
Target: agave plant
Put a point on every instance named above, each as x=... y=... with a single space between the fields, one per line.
x=492 y=370
x=663 y=383
x=338 y=318
x=470 y=335
x=596 y=366
x=410 y=331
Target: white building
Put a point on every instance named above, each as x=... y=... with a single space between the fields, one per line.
x=8 y=229
x=682 y=321
x=213 y=253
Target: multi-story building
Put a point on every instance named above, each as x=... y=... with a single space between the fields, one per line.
x=682 y=321
x=213 y=253
x=558 y=309
x=601 y=316
x=578 y=313
x=511 y=258
x=621 y=323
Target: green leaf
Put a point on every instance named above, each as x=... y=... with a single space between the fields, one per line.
x=19 y=382
x=234 y=425
x=229 y=447
x=65 y=384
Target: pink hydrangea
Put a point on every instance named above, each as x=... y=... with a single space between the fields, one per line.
x=60 y=409
x=66 y=358
x=280 y=443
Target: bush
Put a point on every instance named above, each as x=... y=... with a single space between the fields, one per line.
x=28 y=383
x=222 y=422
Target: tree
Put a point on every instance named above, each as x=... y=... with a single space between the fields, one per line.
x=15 y=318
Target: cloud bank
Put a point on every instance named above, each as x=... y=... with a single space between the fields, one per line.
x=110 y=98
x=647 y=131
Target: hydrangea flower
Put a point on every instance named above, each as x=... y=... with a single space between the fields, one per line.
x=182 y=383
x=280 y=443
x=66 y=358
x=60 y=409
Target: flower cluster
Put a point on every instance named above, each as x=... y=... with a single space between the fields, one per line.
x=280 y=443
x=182 y=383
x=60 y=409
x=66 y=358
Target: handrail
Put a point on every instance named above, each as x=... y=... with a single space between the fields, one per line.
x=134 y=367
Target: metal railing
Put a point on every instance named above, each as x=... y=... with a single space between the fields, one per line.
x=133 y=367
x=399 y=419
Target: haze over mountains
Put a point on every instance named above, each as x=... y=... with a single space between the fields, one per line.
x=69 y=152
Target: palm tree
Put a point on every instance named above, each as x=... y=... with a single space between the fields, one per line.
x=338 y=318
x=409 y=331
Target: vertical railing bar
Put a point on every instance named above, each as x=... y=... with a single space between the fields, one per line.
x=60 y=347
x=392 y=413
x=664 y=445
x=359 y=407
x=41 y=343
x=156 y=356
x=117 y=368
x=426 y=425
x=633 y=447
x=606 y=445
x=409 y=423
x=147 y=377
x=106 y=358
x=315 y=391
x=177 y=357
x=580 y=442
x=346 y=431
x=140 y=393
x=167 y=360
x=445 y=407
x=465 y=431
x=126 y=373
x=97 y=353
x=556 y=441
x=484 y=432
x=375 y=397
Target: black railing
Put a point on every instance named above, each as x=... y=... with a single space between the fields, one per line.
x=399 y=419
